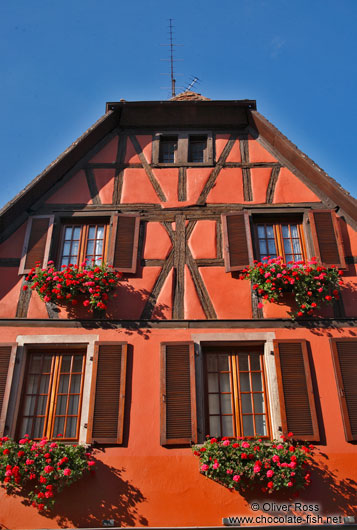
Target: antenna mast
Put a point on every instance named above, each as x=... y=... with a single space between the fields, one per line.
x=173 y=80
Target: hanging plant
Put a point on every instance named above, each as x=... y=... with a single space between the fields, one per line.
x=245 y=463
x=311 y=284
x=72 y=283
x=40 y=470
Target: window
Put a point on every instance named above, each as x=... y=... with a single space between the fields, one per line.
x=233 y=381
x=183 y=149
x=235 y=392
x=279 y=238
x=168 y=149
x=76 y=389
x=83 y=243
x=281 y=235
x=197 y=148
x=84 y=239
x=52 y=396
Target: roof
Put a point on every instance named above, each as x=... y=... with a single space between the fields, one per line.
x=238 y=114
x=188 y=95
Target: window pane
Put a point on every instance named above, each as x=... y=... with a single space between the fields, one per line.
x=244 y=382
x=77 y=363
x=29 y=405
x=66 y=248
x=246 y=403
x=223 y=363
x=61 y=405
x=243 y=361
x=211 y=362
x=71 y=427
x=226 y=403
x=213 y=403
x=77 y=232
x=100 y=232
x=296 y=246
x=26 y=427
x=225 y=385
x=66 y=364
x=257 y=381
x=59 y=427
x=263 y=247
x=227 y=426
x=287 y=246
x=294 y=231
x=73 y=405
x=212 y=382
x=214 y=426
x=271 y=247
x=270 y=231
x=91 y=232
x=63 y=384
x=259 y=405
x=261 y=231
x=285 y=230
x=260 y=425
x=255 y=362
x=90 y=248
x=248 y=428
x=35 y=364
x=32 y=384
x=38 y=427
x=41 y=405
x=75 y=384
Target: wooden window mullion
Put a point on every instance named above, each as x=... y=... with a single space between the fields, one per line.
x=52 y=398
x=236 y=411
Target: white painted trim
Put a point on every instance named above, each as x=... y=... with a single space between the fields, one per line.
x=28 y=341
x=269 y=363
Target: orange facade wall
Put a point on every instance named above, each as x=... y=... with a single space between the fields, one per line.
x=144 y=484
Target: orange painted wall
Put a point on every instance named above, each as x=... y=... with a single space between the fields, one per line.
x=144 y=484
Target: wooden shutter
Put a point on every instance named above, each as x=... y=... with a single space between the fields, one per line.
x=344 y=354
x=37 y=242
x=106 y=408
x=178 y=393
x=327 y=238
x=7 y=363
x=237 y=241
x=124 y=242
x=296 y=395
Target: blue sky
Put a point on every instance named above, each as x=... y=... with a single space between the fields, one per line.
x=61 y=61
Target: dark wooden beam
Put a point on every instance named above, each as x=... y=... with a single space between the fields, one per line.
x=201 y=290
x=179 y=264
x=92 y=185
x=24 y=300
x=182 y=185
x=148 y=170
x=119 y=174
x=247 y=179
x=216 y=170
x=272 y=184
x=152 y=300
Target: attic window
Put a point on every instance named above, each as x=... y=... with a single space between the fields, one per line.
x=197 y=146
x=168 y=149
x=183 y=149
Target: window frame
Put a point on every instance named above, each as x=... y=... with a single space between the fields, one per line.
x=53 y=387
x=277 y=220
x=85 y=224
x=182 y=151
x=237 y=414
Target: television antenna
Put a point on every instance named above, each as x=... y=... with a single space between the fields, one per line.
x=193 y=81
x=172 y=45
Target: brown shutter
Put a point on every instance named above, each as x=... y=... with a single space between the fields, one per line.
x=178 y=393
x=37 y=242
x=124 y=242
x=106 y=408
x=327 y=238
x=7 y=363
x=344 y=354
x=296 y=395
x=237 y=241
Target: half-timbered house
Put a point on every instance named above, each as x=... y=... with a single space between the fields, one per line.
x=180 y=196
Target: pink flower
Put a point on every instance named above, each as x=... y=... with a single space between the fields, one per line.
x=236 y=478
x=53 y=445
x=29 y=462
x=290 y=484
x=215 y=465
x=48 y=469
x=280 y=446
x=204 y=467
x=270 y=473
x=245 y=445
x=226 y=442
x=67 y=472
x=257 y=468
x=260 y=304
x=229 y=471
x=275 y=458
x=91 y=463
